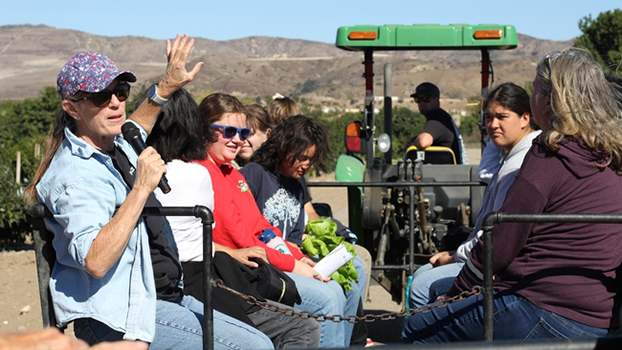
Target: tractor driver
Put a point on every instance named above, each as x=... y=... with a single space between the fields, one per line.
x=439 y=129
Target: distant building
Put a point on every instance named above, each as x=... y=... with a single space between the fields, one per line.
x=381 y=98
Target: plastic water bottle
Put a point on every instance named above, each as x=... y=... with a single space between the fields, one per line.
x=273 y=241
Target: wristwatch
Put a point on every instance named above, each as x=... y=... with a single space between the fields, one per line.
x=153 y=96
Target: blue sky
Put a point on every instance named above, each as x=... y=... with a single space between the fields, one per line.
x=316 y=20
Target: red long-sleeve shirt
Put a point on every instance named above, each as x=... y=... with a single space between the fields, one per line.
x=238 y=220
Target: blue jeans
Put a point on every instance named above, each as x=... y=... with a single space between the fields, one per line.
x=515 y=318
x=360 y=269
x=429 y=282
x=181 y=325
x=329 y=299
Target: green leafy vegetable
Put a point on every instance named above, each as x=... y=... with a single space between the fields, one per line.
x=321 y=240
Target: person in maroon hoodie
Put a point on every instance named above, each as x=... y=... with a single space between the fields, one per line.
x=551 y=280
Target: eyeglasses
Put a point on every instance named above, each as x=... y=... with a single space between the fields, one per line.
x=550 y=56
x=102 y=98
x=424 y=99
x=229 y=131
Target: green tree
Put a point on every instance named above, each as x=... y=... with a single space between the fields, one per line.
x=469 y=128
x=309 y=86
x=469 y=124
x=406 y=125
x=25 y=124
x=13 y=215
x=603 y=38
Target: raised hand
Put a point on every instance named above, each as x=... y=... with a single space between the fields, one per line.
x=176 y=74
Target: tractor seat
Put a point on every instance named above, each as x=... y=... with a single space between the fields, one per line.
x=432 y=155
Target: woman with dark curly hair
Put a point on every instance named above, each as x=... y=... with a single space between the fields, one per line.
x=294 y=146
x=273 y=176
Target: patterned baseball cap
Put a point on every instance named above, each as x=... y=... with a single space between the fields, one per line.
x=89 y=72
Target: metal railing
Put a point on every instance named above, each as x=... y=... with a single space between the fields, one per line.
x=45 y=257
x=412 y=185
x=494 y=218
x=488 y=224
x=207 y=219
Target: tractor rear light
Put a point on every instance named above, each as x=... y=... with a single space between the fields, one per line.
x=354 y=142
x=353 y=129
x=363 y=36
x=488 y=34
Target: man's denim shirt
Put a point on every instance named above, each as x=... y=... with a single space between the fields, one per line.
x=82 y=189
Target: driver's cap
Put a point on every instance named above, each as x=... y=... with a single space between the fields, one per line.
x=427 y=89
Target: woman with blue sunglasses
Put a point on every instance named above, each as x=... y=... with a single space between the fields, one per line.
x=178 y=137
x=239 y=221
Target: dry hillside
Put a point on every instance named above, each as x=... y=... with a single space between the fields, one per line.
x=30 y=57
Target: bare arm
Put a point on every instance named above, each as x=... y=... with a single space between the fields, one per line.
x=112 y=239
x=176 y=77
x=424 y=140
x=311 y=212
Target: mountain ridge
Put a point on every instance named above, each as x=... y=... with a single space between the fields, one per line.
x=258 y=66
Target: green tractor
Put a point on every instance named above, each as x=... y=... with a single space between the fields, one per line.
x=410 y=209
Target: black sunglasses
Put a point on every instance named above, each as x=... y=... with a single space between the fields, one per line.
x=102 y=98
x=424 y=99
x=229 y=131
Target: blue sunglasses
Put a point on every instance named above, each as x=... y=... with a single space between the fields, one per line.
x=229 y=131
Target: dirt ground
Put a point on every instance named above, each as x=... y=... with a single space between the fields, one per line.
x=19 y=298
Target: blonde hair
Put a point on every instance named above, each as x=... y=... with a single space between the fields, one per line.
x=583 y=104
x=281 y=108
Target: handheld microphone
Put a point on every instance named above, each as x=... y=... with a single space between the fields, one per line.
x=132 y=135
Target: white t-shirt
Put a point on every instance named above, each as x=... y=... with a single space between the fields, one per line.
x=191 y=185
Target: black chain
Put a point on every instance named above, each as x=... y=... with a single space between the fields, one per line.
x=352 y=318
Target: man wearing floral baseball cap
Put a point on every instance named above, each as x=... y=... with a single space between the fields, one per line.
x=116 y=275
